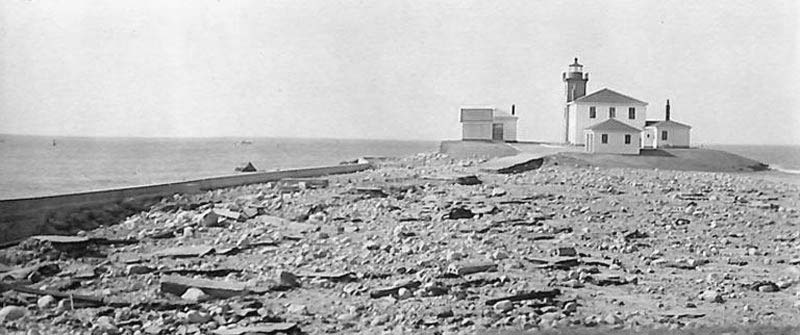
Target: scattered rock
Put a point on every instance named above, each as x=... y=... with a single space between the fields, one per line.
x=448 y=248
x=105 y=325
x=497 y=192
x=503 y=306
x=711 y=296
x=209 y=219
x=468 y=180
x=297 y=309
x=444 y=312
x=379 y=320
x=289 y=280
x=459 y=213
x=194 y=294
x=46 y=301
x=138 y=269
x=11 y=313
x=196 y=317
x=612 y=319
x=764 y=286
x=404 y=293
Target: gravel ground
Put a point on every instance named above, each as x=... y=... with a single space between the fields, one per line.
x=409 y=247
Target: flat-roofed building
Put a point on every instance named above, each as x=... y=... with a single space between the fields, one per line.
x=488 y=124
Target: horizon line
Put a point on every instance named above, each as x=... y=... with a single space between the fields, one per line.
x=322 y=138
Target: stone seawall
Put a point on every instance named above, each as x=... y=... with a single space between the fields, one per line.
x=69 y=213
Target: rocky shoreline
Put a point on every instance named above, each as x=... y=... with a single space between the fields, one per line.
x=426 y=244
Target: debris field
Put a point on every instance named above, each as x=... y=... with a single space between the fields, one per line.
x=425 y=244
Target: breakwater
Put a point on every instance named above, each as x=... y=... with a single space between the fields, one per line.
x=69 y=213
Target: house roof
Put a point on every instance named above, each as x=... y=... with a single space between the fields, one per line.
x=665 y=123
x=609 y=96
x=476 y=114
x=613 y=125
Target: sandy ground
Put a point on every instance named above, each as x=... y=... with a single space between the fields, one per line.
x=404 y=248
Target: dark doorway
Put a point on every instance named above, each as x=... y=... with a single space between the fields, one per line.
x=497 y=132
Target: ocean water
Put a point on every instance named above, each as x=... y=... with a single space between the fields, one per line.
x=782 y=158
x=33 y=166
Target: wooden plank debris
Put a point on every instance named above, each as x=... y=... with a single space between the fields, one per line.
x=392 y=290
x=335 y=276
x=468 y=180
x=470 y=268
x=683 y=313
x=47 y=269
x=187 y=251
x=203 y=272
x=558 y=262
x=92 y=300
x=692 y=196
x=565 y=252
x=513 y=164
x=375 y=192
x=636 y=234
x=685 y=264
x=226 y=213
x=610 y=279
x=61 y=239
x=542 y=294
x=220 y=289
x=264 y=328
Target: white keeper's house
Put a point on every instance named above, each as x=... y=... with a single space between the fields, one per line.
x=607 y=121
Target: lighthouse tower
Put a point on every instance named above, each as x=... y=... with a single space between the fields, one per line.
x=575 y=81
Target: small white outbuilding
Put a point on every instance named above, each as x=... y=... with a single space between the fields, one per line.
x=666 y=133
x=488 y=124
x=613 y=137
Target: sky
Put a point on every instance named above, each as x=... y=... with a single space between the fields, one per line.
x=390 y=69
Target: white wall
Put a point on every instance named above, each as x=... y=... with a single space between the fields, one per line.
x=579 y=117
x=676 y=137
x=509 y=128
x=479 y=130
x=573 y=132
x=649 y=141
x=616 y=142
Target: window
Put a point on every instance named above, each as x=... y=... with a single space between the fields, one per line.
x=663 y=135
x=627 y=139
x=592 y=112
x=604 y=138
x=612 y=112
x=631 y=113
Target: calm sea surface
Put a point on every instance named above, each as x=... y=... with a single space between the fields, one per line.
x=32 y=166
x=784 y=158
